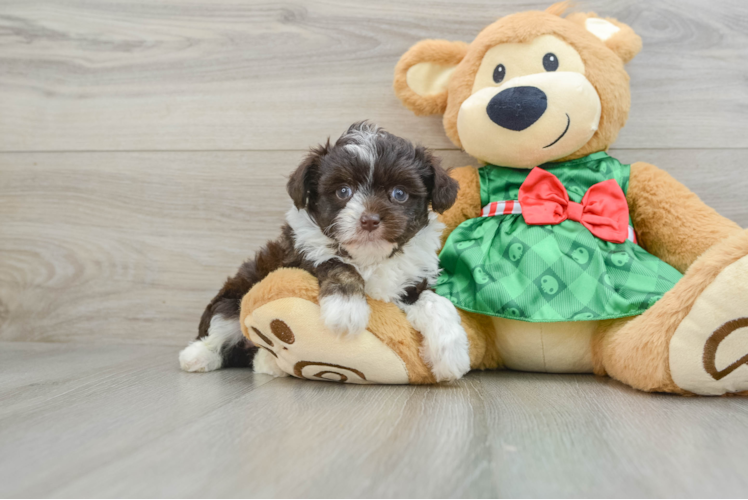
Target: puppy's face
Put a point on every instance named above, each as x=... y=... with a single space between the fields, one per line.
x=371 y=191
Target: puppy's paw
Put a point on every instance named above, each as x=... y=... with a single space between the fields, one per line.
x=264 y=362
x=344 y=314
x=445 y=347
x=448 y=360
x=198 y=357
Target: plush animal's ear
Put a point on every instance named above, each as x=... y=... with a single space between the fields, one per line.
x=422 y=75
x=442 y=188
x=618 y=37
x=301 y=182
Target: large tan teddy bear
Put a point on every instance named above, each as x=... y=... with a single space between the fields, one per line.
x=560 y=258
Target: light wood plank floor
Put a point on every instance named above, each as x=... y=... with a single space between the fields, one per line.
x=123 y=421
x=143 y=154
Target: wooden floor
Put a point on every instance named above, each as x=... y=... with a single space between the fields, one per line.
x=80 y=420
x=143 y=153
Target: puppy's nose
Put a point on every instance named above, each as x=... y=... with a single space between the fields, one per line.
x=517 y=108
x=369 y=222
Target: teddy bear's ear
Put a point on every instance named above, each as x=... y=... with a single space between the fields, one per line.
x=422 y=75
x=618 y=37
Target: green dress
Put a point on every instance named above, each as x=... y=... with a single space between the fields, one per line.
x=501 y=266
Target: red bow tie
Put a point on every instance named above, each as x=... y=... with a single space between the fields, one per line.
x=604 y=210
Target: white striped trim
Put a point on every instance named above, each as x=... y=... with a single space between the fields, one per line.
x=632 y=235
x=501 y=208
x=513 y=207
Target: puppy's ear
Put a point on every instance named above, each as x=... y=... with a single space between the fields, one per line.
x=442 y=188
x=445 y=191
x=301 y=183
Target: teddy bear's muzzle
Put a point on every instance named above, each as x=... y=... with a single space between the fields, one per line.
x=529 y=120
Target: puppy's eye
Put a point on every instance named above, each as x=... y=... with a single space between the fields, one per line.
x=499 y=73
x=399 y=195
x=550 y=62
x=344 y=192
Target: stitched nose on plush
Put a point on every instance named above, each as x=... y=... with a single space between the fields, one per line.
x=517 y=108
x=369 y=222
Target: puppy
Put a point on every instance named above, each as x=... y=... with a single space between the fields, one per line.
x=360 y=223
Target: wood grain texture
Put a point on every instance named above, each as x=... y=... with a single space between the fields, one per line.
x=144 y=148
x=123 y=421
x=247 y=75
x=68 y=410
x=581 y=436
x=129 y=247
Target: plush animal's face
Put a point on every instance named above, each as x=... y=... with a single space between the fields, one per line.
x=371 y=191
x=532 y=87
x=530 y=103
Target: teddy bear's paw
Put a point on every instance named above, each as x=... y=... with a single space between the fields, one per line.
x=290 y=333
x=344 y=315
x=199 y=357
x=265 y=362
x=445 y=346
x=709 y=349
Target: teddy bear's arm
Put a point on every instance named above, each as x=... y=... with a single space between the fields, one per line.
x=671 y=222
x=467 y=205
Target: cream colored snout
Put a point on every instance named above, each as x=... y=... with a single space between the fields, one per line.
x=530 y=119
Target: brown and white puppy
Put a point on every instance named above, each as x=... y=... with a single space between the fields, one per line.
x=363 y=222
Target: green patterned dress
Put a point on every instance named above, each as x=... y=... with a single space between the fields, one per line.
x=501 y=266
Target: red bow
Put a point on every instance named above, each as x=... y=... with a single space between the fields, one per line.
x=604 y=210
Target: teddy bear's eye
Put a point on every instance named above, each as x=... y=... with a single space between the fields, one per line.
x=499 y=73
x=550 y=62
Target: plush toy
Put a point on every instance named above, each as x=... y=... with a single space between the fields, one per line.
x=559 y=257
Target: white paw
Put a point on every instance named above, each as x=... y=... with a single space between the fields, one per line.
x=197 y=357
x=343 y=314
x=445 y=346
x=264 y=362
x=448 y=361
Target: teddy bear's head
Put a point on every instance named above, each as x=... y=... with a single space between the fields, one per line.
x=531 y=88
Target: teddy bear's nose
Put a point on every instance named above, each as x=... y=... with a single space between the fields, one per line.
x=517 y=108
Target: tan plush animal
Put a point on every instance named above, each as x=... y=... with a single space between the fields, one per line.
x=579 y=265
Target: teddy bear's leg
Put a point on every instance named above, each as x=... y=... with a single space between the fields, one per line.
x=281 y=315
x=692 y=341
x=484 y=352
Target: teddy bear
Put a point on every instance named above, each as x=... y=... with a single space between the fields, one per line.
x=559 y=257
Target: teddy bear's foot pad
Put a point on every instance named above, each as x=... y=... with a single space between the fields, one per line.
x=303 y=347
x=709 y=349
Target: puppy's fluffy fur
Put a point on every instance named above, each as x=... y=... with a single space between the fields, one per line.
x=361 y=223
